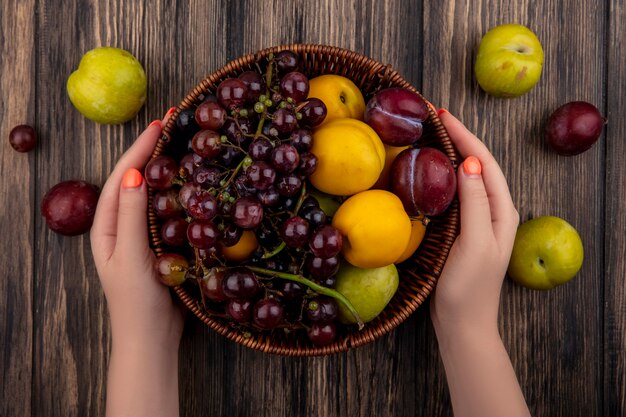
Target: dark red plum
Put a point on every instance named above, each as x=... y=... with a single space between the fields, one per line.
x=574 y=127
x=69 y=207
x=397 y=114
x=424 y=180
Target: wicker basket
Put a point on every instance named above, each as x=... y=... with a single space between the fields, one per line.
x=418 y=275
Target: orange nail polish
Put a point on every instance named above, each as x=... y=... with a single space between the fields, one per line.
x=132 y=178
x=170 y=111
x=472 y=166
x=442 y=111
x=155 y=123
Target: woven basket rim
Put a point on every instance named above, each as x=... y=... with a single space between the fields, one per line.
x=421 y=283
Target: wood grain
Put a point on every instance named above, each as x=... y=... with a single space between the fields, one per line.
x=553 y=337
x=17 y=208
x=567 y=345
x=614 y=326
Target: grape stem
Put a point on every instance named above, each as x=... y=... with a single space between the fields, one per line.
x=274 y=251
x=315 y=287
x=234 y=174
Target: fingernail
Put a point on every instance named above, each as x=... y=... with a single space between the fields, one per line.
x=132 y=178
x=155 y=123
x=442 y=111
x=472 y=166
x=170 y=111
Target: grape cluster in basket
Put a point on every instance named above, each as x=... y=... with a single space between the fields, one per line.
x=239 y=219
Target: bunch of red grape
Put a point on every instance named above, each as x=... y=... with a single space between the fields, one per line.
x=237 y=162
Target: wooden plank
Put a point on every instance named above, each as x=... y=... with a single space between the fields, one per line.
x=554 y=338
x=71 y=320
x=615 y=212
x=17 y=100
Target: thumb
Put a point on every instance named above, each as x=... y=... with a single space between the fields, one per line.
x=132 y=229
x=475 y=212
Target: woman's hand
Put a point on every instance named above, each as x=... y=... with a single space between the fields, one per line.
x=468 y=290
x=464 y=307
x=146 y=324
x=139 y=305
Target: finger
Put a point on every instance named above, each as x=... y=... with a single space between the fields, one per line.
x=104 y=229
x=475 y=208
x=500 y=202
x=132 y=227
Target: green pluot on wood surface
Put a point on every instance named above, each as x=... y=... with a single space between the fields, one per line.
x=109 y=86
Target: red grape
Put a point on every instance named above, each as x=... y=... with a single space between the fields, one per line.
x=322 y=268
x=239 y=310
x=284 y=120
x=574 y=128
x=294 y=85
x=322 y=334
x=286 y=61
x=23 y=138
x=171 y=269
x=211 y=285
x=424 y=180
x=69 y=207
x=314 y=215
x=288 y=185
x=302 y=139
x=285 y=158
x=202 y=205
x=174 y=232
x=295 y=232
x=210 y=115
x=313 y=112
x=322 y=309
x=166 y=204
x=397 y=114
x=326 y=242
x=206 y=143
x=240 y=283
x=160 y=172
x=261 y=175
x=260 y=149
x=202 y=234
x=232 y=93
x=267 y=313
x=247 y=212
x=255 y=84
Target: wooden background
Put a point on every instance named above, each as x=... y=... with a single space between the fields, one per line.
x=567 y=345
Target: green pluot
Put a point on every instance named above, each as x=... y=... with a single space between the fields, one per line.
x=109 y=86
x=547 y=252
x=369 y=290
x=509 y=61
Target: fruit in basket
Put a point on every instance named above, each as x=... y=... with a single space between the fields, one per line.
x=350 y=157
x=109 y=86
x=243 y=249
x=171 y=269
x=69 y=207
x=425 y=181
x=23 y=138
x=368 y=289
x=418 y=231
x=547 y=252
x=375 y=228
x=340 y=95
x=509 y=61
x=574 y=127
x=397 y=115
